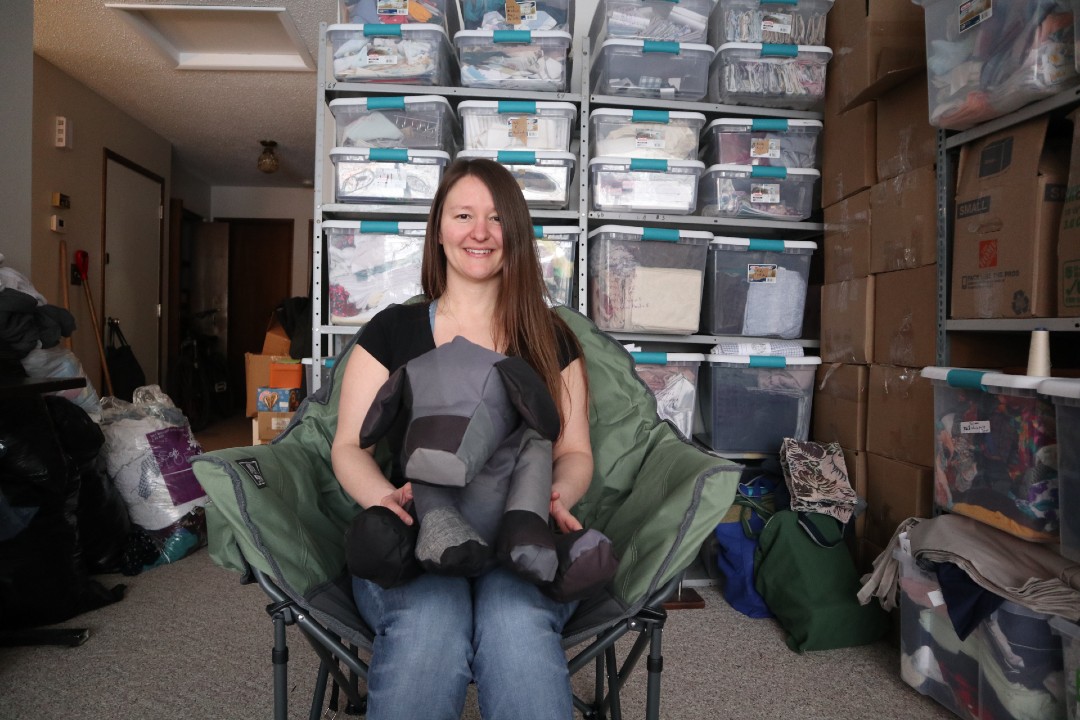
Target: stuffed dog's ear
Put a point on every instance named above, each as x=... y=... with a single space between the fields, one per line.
x=530 y=396
x=384 y=409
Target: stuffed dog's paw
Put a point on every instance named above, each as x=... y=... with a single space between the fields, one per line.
x=587 y=563
x=448 y=545
x=381 y=548
x=526 y=545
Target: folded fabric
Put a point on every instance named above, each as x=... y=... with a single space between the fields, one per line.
x=817 y=478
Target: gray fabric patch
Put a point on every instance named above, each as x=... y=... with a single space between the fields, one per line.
x=443 y=528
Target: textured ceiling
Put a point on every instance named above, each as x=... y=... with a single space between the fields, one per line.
x=214 y=119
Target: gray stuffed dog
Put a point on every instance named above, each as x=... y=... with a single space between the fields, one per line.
x=477 y=447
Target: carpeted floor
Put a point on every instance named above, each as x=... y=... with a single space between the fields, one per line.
x=189 y=641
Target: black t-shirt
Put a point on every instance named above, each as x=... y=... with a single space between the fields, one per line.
x=400 y=333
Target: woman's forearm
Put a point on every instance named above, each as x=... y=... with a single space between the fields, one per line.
x=359 y=474
x=571 y=475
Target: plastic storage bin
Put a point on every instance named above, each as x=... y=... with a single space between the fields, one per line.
x=396 y=12
x=984 y=60
x=1070 y=651
x=620 y=184
x=1009 y=666
x=756 y=287
x=684 y=21
x=371 y=264
x=672 y=379
x=995 y=451
x=659 y=134
x=652 y=69
x=412 y=54
x=750 y=403
x=517 y=124
x=762 y=141
x=761 y=21
x=511 y=15
x=557 y=247
x=514 y=59
x=774 y=76
x=758 y=191
x=387 y=175
x=418 y=122
x=647 y=280
x=1065 y=395
x=544 y=176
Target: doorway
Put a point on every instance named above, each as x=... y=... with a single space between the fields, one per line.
x=132 y=242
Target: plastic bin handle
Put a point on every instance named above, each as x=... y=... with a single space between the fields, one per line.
x=660 y=234
x=386 y=103
x=527 y=107
x=768 y=361
x=765 y=171
x=765 y=245
x=511 y=36
x=516 y=157
x=376 y=29
x=769 y=124
x=968 y=379
x=648 y=164
x=779 y=50
x=656 y=116
x=388 y=154
x=538 y=232
x=385 y=227
x=649 y=358
x=779 y=2
x=660 y=46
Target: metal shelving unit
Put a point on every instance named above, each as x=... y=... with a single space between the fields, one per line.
x=948 y=155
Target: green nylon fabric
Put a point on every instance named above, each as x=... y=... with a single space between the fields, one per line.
x=656 y=496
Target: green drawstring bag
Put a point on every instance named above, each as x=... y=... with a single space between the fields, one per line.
x=805 y=573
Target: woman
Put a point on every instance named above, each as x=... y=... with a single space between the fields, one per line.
x=436 y=633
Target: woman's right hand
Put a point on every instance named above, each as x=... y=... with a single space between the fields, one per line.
x=398 y=501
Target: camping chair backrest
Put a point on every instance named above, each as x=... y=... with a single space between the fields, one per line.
x=292 y=527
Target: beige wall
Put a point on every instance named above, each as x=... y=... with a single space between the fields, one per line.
x=77 y=172
x=273 y=203
x=17 y=91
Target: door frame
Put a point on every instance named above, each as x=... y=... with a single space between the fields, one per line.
x=119 y=159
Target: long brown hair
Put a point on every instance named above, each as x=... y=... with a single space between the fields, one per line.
x=524 y=324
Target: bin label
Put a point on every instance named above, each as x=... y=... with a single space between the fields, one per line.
x=381 y=55
x=522 y=128
x=764 y=148
x=761 y=273
x=779 y=23
x=973 y=12
x=974 y=427
x=765 y=193
x=647 y=138
x=392 y=7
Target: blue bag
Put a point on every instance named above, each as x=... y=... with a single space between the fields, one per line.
x=737 y=539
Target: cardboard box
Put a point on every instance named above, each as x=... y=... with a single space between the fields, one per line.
x=847 y=321
x=904 y=234
x=272 y=423
x=257 y=375
x=855 y=462
x=1009 y=196
x=286 y=373
x=905 y=138
x=849 y=154
x=274 y=399
x=839 y=413
x=876 y=46
x=895 y=491
x=846 y=242
x=1068 y=248
x=900 y=414
x=905 y=317
x=276 y=341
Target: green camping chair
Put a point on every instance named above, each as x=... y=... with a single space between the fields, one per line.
x=278 y=515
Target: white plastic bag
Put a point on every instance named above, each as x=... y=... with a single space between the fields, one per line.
x=58 y=361
x=148 y=444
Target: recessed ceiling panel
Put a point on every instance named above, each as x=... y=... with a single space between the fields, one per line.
x=221 y=38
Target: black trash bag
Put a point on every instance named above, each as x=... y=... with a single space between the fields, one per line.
x=102 y=515
x=42 y=580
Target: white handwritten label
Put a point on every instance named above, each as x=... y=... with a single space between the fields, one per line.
x=974 y=427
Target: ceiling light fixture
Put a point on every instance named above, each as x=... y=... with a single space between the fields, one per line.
x=268 y=160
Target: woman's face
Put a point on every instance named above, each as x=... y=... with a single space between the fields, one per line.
x=470 y=232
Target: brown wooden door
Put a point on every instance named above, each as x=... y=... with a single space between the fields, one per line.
x=260 y=273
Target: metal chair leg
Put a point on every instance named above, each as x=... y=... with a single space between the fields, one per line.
x=319 y=695
x=655 y=666
x=282 y=615
x=614 y=684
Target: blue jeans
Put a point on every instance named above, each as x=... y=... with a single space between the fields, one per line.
x=435 y=634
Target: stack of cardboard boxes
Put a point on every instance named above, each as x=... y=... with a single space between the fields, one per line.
x=273 y=385
x=878 y=303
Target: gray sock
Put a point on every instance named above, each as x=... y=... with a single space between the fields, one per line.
x=443 y=528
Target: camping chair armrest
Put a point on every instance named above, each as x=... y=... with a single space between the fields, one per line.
x=680 y=496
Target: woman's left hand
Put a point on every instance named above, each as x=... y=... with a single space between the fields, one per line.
x=566 y=522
